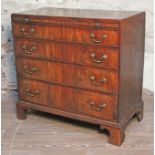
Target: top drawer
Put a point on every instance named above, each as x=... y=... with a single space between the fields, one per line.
x=69 y=34
x=69 y=22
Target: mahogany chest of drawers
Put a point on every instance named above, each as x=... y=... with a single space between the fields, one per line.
x=81 y=64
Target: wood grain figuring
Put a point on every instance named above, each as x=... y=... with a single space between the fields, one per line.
x=68 y=34
x=81 y=64
x=70 y=53
x=82 y=55
x=80 y=77
x=80 y=101
x=73 y=75
x=91 y=23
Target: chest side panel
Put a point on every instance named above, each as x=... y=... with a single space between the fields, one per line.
x=131 y=64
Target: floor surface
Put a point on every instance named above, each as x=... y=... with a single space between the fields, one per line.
x=46 y=134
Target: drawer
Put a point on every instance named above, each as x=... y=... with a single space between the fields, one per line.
x=73 y=53
x=33 y=91
x=83 y=102
x=80 y=35
x=33 y=69
x=71 y=75
x=25 y=47
x=84 y=77
x=65 y=21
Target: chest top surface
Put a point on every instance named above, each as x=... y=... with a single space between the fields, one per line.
x=80 y=13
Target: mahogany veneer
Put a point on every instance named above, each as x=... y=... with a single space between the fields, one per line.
x=81 y=64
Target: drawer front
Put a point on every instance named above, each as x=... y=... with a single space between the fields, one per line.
x=25 y=47
x=33 y=69
x=84 y=77
x=65 y=22
x=83 y=102
x=72 y=75
x=81 y=35
x=33 y=91
x=89 y=55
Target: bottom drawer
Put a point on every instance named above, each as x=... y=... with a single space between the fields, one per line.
x=84 y=102
x=68 y=99
x=33 y=91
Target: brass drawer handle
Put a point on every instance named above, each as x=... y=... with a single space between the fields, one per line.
x=29 y=33
x=32 y=94
x=92 y=79
x=94 y=59
x=26 y=20
x=29 y=51
x=94 y=107
x=92 y=37
x=28 y=71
